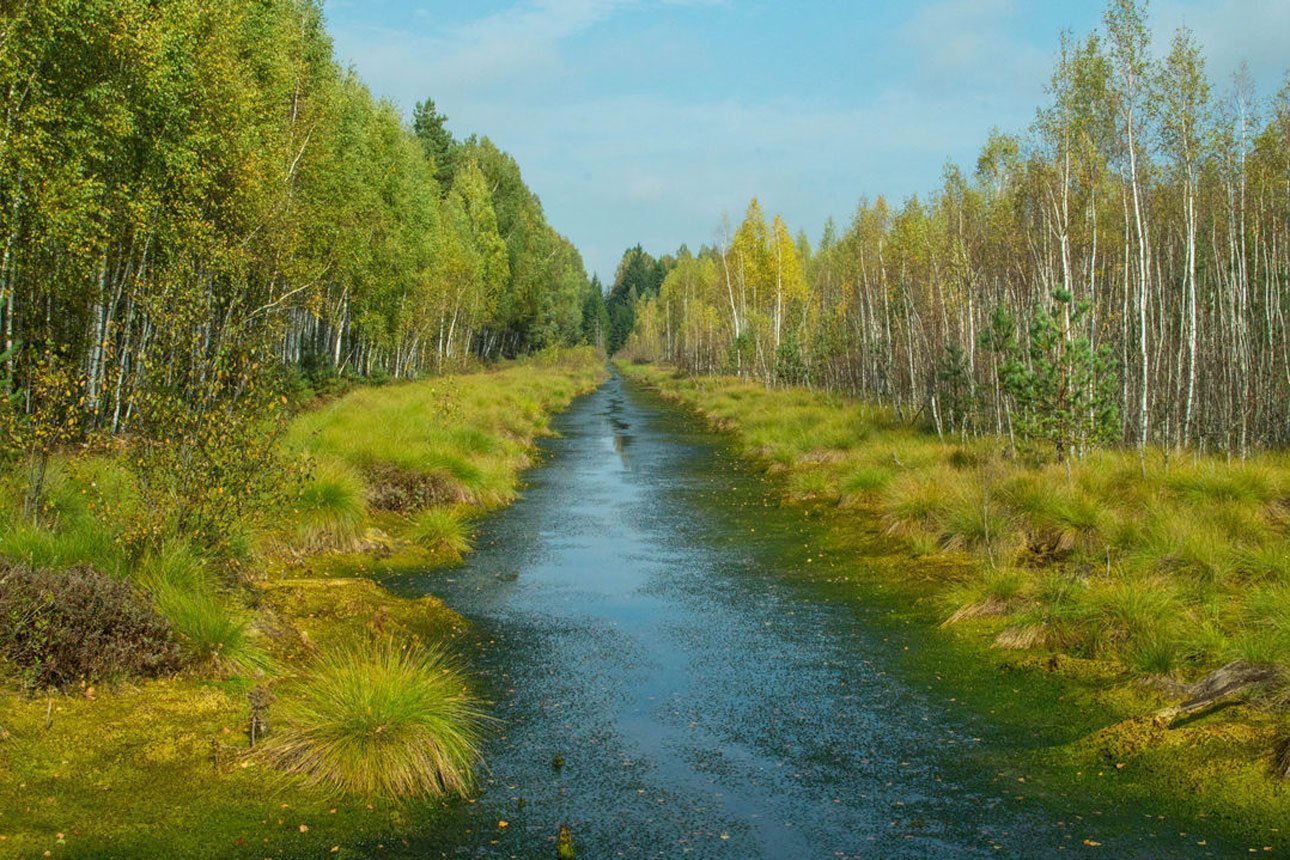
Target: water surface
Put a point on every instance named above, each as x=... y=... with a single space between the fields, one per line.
x=645 y=612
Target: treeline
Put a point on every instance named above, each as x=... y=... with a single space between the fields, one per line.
x=194 y=195
x=1121 y=272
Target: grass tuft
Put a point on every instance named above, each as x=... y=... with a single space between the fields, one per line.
x=991 y=595
x=914 y=505
x=331 y=510
x=209 y=624
x=440 y=530
x=382 y=722
x=867 y=481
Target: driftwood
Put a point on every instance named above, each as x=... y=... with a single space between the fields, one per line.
x=1228 y=684
x=1232 y=683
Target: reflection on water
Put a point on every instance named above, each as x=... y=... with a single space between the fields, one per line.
x=647 y=616
x=622 y=439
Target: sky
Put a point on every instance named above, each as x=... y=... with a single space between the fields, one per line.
x=648 y=120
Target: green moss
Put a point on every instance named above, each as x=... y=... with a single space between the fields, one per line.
x=134 y=773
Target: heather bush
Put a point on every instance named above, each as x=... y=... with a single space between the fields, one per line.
x=58 y=628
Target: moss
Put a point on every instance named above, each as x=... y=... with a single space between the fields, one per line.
x=125 y=773
x=339 y=611
x=163 y=766
x=121 y=772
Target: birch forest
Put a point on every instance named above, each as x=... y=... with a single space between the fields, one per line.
x=1125 y=262
x=196 y=200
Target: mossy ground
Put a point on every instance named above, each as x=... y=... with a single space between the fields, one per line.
x=1079 y=708
x=163 y=768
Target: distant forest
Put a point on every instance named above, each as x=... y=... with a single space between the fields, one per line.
x=1122 y=269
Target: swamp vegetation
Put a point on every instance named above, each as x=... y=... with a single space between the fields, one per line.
x=270 y=351
x=1126 y=587
x=211 y=233
x=284 y=661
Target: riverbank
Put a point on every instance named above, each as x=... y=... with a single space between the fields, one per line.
x=1006 y=568
x=394 y=477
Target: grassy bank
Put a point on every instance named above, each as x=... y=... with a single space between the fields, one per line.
x=389 y=475
x=1117 y=586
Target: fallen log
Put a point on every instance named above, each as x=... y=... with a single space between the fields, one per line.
x=1228 y=684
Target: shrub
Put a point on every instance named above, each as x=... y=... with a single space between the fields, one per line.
x=380 y=721
x=60 y=628
x=392 y=488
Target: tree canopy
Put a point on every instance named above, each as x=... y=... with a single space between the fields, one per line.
x=196 y=191
x=1136 y=239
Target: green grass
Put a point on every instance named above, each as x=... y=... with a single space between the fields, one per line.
x=471 y=432
x=990 y=595
x=81 y=541
x=75 y=524
x=1057 y=518
x=914 y=505
x=209 y=621
x=380 y=721
x=1168 y=571
x=978 y=519
x=441 y=530
x=331 y=512
x=867 y=481
x=131 y=768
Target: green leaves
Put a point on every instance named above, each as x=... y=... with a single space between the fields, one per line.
x=1063 y=388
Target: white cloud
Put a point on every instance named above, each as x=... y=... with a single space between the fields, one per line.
x=516 y=48
x=701 y=159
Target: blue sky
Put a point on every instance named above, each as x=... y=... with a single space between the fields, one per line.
x=646 y=120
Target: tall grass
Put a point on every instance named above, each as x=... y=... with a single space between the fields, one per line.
x=915 y=504
x=440 y=530
x=210 y=622
x=1164 y=569
x=380 y=721
x=69 y=528
x=1056 y=517
x=331 y=511
x=466 y=436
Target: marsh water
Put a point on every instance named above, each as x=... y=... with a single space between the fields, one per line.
x=649 y=614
